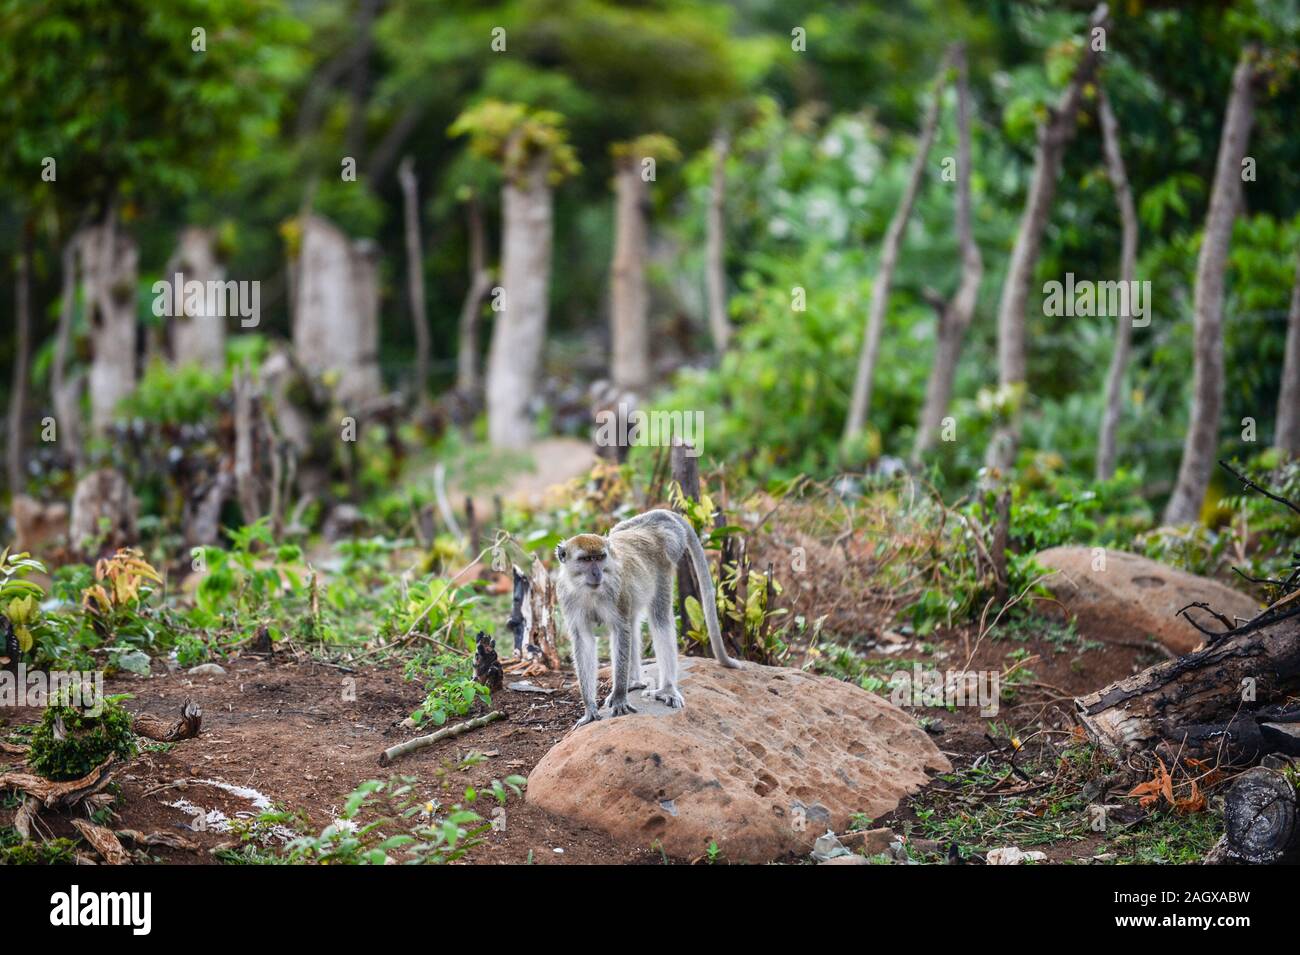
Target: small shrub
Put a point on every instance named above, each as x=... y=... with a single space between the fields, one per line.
x=70 y=742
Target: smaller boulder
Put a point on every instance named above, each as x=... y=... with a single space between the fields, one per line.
x=1132 y=597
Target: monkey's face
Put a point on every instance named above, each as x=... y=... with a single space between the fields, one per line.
x=584 y=558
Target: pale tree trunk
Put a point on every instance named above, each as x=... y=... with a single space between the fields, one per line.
x=519 y=333
x=415 y=276
x=22 y=362
x=65 y=393
x=956 y=314
x=715 y=272
x=109 y=271
x=629 y=305
x=336 y=310
x=1288 y=400
x=1201 y=444
x=1053 y=135
x=860 y=403
x=480 y=282
x=1110 y=416
x=197 y=338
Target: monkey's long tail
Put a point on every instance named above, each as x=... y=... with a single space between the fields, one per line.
x=709 y=600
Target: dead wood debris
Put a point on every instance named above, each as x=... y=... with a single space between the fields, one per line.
x=103 y=840
x=187 y=727
x=64 y=795
x=447 y=732
x=157 y=839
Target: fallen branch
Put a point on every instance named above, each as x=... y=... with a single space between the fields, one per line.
x=64 y=794
x=103 y=840
x=187 y=727
x=158 y=839
x=447 y=732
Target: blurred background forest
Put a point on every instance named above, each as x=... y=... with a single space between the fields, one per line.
x=212 y=133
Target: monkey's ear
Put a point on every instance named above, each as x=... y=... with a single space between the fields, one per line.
x=560 y=554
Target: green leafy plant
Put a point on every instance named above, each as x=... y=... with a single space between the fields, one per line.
x=71 y=740
x=452 y=690
x=405 y=829
x=20 y=599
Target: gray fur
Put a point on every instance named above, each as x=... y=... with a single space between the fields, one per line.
x=623 y=581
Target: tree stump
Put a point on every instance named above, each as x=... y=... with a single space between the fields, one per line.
x=104 y=512
x=1259 y=813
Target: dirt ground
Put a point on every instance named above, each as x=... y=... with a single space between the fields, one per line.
x=289 y=731
x=302 y=735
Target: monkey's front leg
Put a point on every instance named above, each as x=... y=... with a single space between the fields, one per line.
x=584 y=661
x=621 y=648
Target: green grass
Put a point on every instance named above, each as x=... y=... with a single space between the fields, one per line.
x=969 y=813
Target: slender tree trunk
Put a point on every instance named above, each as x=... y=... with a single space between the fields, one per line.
x=480 y=281
x=1288 y=400
x=1201 y=444
x=629 y=334
x=715 y=256
x=860 y=404
x=65 y=394
x=519 y=333
x=360 y=78
x=109 y=271
x=197 y=337
x=1053 y=135
x=415 y=276
x=22 y=362
x=336 y=309
x=955 y=315
x=1106 y=439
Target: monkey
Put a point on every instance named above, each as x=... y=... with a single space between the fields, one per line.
x=623 y=580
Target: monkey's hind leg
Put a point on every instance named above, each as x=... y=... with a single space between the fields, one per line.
x=663 y=630
x=635 y=682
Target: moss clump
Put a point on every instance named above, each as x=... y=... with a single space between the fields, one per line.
x=53 y=852
x=70 y=742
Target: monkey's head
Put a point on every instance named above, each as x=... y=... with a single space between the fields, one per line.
x=584 y=557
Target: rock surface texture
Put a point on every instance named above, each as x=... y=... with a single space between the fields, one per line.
x=1134 y=597
x=761 y=762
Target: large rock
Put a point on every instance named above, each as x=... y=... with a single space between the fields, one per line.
x=761 y=761
x=1134 y=597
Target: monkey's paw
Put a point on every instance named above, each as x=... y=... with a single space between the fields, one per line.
x=669 y=698
x=590 y=717
x=637 y=685
x=621 y=709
